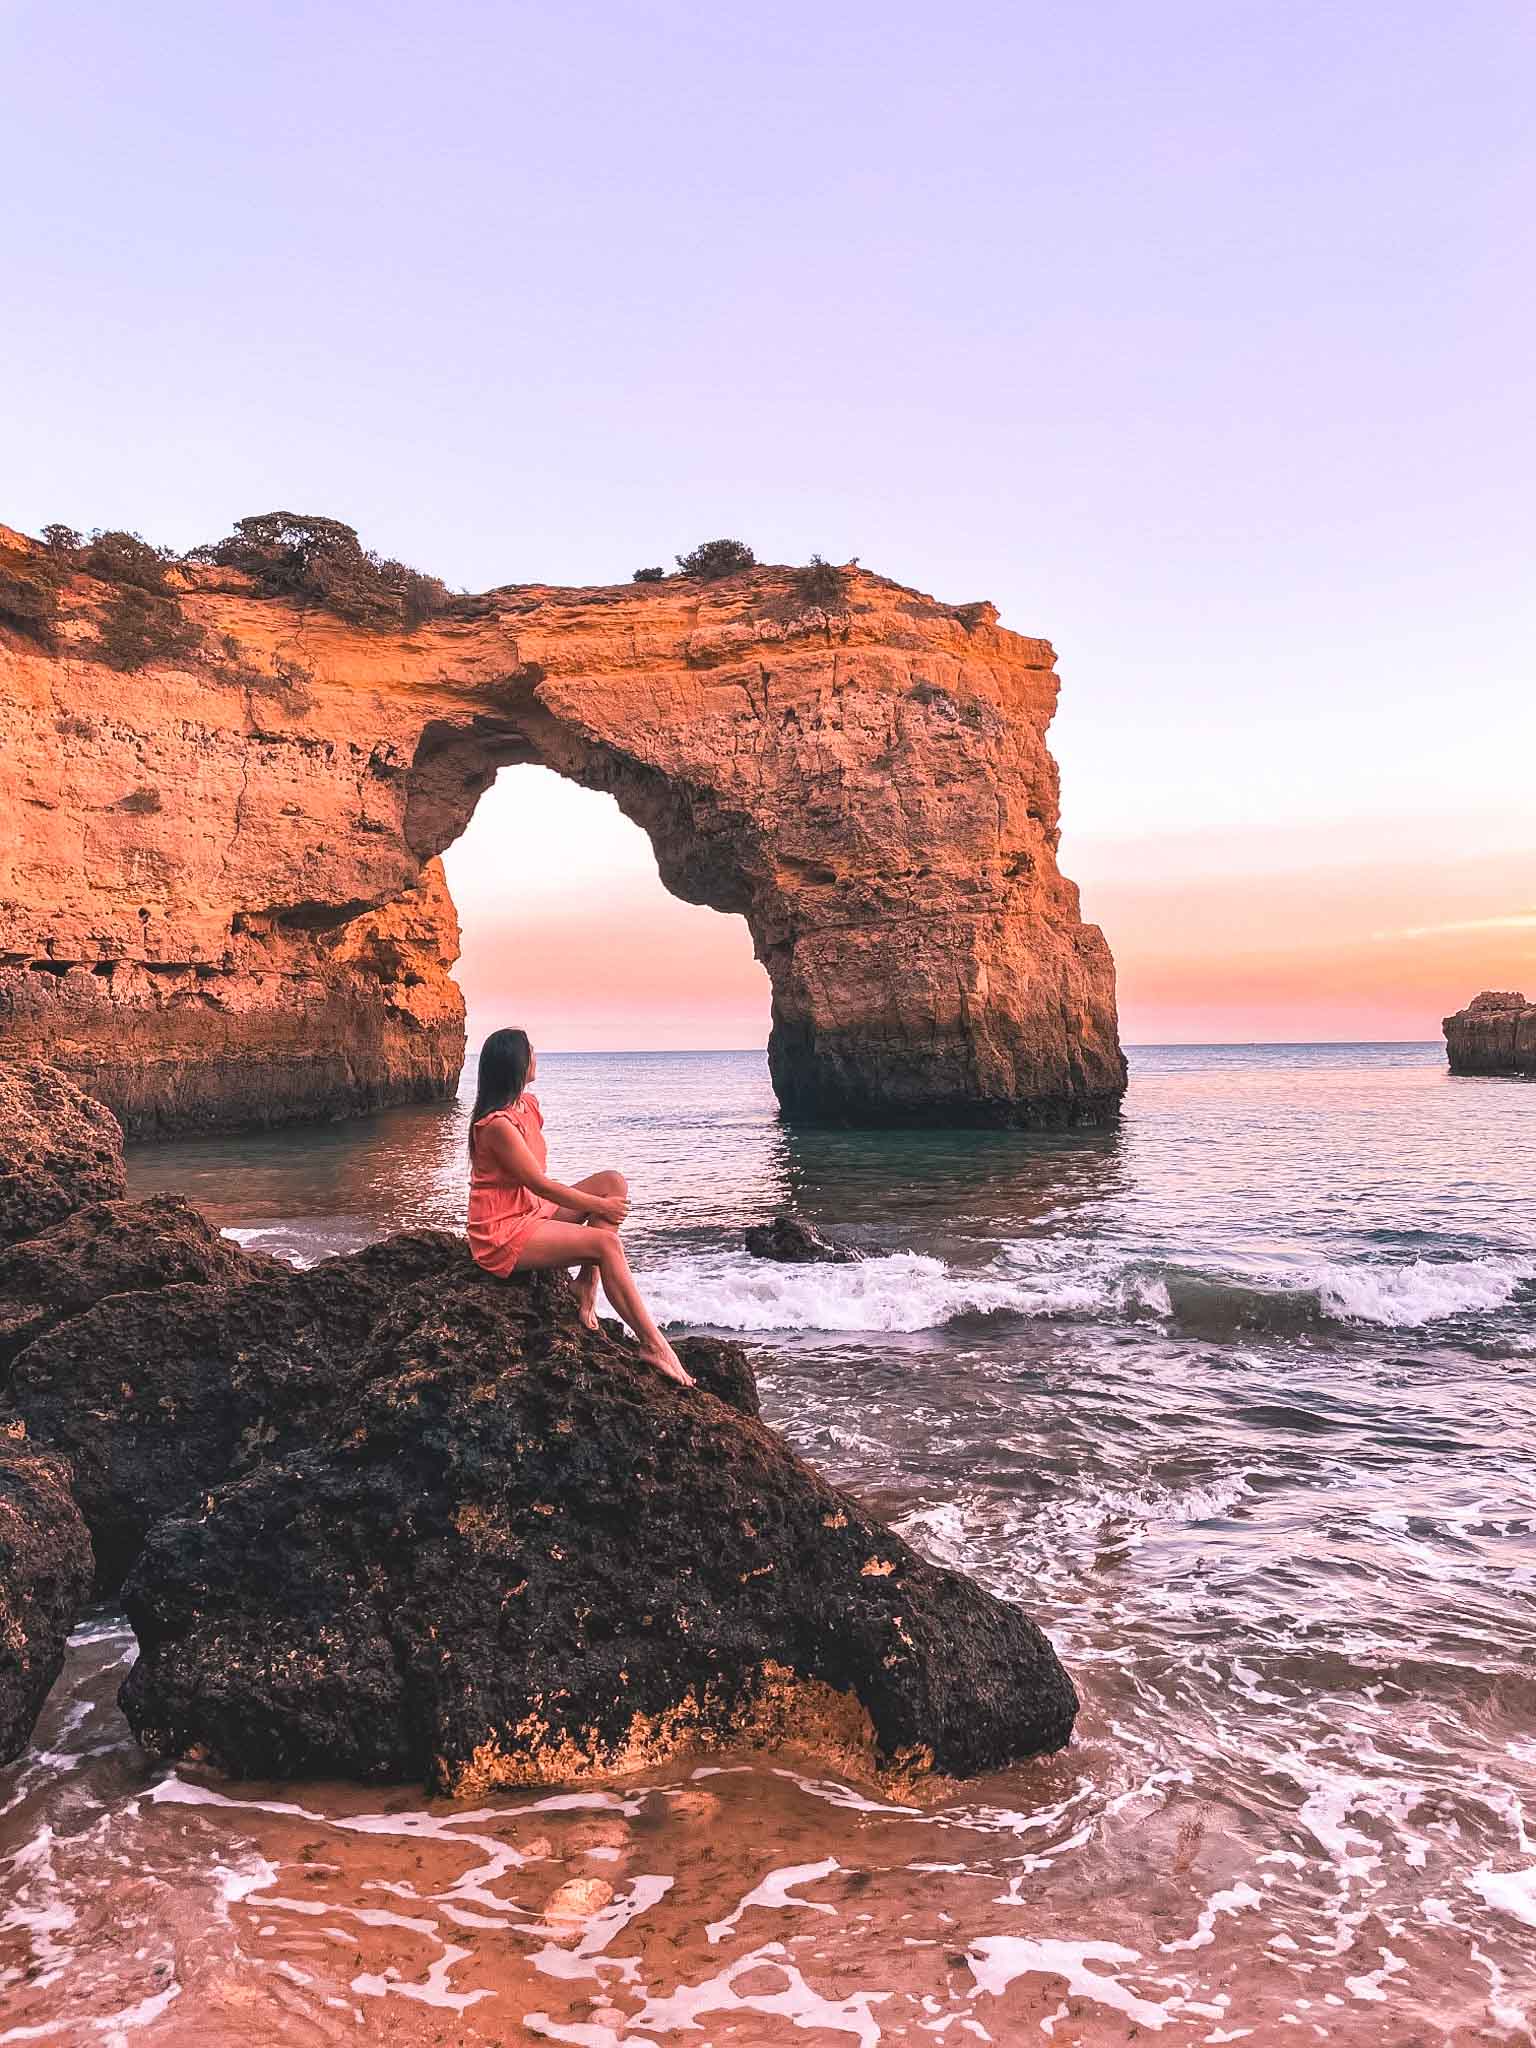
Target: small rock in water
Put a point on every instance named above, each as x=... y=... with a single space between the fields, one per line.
x=694 y=1807
x=794 y=1243
x=577 y=1900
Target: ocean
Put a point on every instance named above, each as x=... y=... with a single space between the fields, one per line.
x=1238 y=1400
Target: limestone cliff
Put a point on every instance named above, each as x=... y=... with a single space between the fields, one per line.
x=218 y=877
x=1494 y=1034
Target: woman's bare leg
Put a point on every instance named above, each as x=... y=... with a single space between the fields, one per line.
x=606 y=1183
x=579 y=1244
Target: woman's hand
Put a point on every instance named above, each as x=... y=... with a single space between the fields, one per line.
x=609 y=1209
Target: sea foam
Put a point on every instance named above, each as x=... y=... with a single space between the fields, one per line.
x=912 y=1291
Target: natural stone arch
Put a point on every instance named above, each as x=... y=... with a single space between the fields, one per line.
x=225 y=902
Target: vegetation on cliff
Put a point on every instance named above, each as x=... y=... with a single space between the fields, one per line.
x=712 y=560
x=309 y=561
x=29 y=596
x=320 y=562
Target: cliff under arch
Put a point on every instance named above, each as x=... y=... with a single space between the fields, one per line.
x=222 y=900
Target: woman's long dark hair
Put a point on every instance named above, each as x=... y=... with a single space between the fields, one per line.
x=503 y=1075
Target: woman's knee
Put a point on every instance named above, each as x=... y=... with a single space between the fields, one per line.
x=609 y=1182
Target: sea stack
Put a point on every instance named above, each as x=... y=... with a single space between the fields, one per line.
x=1494 y=1034
x=219 y=879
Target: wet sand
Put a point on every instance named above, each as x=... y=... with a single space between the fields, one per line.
x=746 y=1900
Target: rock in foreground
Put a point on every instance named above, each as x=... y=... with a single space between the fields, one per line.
x=158 y=1395
x=1494 y=1034
x=795 y=1243
x=522 y=1557
x=59 y=1149
x=108 y=1248
x=45 y=1573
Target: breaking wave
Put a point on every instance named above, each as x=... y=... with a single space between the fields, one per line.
x=913 y=1291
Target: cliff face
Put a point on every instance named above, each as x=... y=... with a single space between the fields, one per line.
x=1494 y=1034
x=222 y=904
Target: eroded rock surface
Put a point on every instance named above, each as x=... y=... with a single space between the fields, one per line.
x=45 y=1574
x=222 y=902
x=59 y=1148
x=103 y=1249
x=158 y=1395
x=519 y=1556
x=1494 y=1034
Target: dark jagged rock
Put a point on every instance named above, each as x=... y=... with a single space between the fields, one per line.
x=59 y=1149
x=795 y=1243
x=157 y=1396
x=1494 y=1034
x=108 y=1248
x=720 y=1368
x=45 y=1573
x=523 y=1557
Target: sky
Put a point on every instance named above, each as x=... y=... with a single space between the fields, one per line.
x=1199 y=337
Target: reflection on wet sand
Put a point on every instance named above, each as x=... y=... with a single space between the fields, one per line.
x=744 y=1901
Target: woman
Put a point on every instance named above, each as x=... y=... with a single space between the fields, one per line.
x=521 y=1221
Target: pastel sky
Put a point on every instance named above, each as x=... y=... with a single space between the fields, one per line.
x=1198 y=336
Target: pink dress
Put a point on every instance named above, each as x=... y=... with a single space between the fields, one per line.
x=502 y=1212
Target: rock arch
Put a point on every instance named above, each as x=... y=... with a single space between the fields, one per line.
x=223 y=902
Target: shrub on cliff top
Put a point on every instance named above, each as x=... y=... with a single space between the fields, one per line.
x=657 y=575
x=820 y=584
x=140 y=626
x=713 y=559
x=123 y=558
x=321 y=562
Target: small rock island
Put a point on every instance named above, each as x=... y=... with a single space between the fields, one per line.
x=1494 y=1034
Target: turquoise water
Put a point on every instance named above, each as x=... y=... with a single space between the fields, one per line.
x=1238 y=1400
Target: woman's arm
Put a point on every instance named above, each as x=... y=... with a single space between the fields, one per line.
x=510 y=1153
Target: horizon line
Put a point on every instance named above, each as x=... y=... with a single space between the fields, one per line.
x=1130 y=1045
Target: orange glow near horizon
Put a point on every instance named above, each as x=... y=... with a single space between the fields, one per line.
x=1369 y=949
x=1218 y=938
x=569 y=932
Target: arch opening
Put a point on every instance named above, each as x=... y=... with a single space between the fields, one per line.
x=567 y=929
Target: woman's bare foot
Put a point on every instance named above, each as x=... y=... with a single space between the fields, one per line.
x=666 y=1360
x=586 y=1296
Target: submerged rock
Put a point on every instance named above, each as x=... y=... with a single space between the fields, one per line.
x=45 y=1573
x=520 y=1556
x=158 y=1395
x=59 y=1149
x=795 y=1243
x=108 y=1248
x=1494 y=1034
